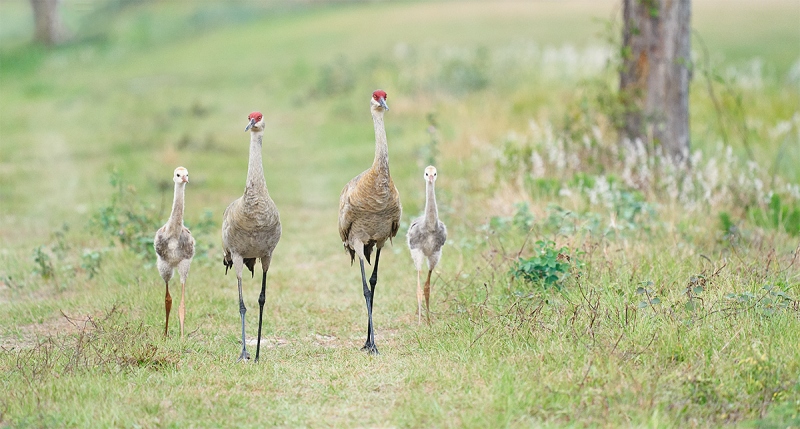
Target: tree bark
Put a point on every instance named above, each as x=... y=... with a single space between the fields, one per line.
x=655 y=74
x=50 y=28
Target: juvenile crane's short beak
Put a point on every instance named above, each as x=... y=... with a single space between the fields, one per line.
x=250 y=125
x=185 y=179
x=382 y=102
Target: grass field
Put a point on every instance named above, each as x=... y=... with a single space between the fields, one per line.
x=674 y=297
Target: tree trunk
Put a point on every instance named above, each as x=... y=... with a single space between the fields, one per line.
x=49 y=27
x=654 y=79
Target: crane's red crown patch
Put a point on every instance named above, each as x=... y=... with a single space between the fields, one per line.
x=379 y=94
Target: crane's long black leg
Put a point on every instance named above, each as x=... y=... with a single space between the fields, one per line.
x=242 y=311
x=261 y=299
x=369 y=346
x=373 y=280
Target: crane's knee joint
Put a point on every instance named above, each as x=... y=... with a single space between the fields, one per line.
x=262 y=299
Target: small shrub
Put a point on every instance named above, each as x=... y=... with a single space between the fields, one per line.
x=126 y=220
x=694 y=291
x=649 y=297
x=728 y=226
x=61 y=245
x=771 y=300
x=548 y=266
x=90 y=262
x=106 y=345
x=44 y=265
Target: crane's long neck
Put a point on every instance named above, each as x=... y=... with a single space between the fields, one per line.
x=255 y=169
x=381 y=162
x=175 y=223
x=431 y=213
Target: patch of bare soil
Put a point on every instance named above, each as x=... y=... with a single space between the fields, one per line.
x=28 y=336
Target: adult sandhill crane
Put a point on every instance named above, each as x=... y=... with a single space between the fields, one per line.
x=369 y=211
x=426 y=236
x=174 y=246
x=251 y=227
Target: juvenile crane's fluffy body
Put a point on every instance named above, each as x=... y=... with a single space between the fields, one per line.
x=426 y=236
x=369 y=211
x=251 y=227
x=174 y=246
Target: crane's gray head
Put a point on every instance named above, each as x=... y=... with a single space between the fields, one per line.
x=256 y=123
x=430 y=174
x=181 y=175
x=378 y=101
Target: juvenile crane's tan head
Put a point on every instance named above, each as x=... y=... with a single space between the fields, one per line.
x=430 y=174
x=181 y=175
x=256 y=123
x=378 y=101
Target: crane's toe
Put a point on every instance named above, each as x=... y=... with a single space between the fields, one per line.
x=370 y=349
x=245 y=356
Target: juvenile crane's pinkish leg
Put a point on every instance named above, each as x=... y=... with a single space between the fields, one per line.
x=183 y=270
x=182 y=307
x=167 y=307
x=419 y=300
x=428 y=296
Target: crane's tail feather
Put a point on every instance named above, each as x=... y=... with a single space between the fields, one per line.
x=227 y=262
x=368 y=251
x=250 y=263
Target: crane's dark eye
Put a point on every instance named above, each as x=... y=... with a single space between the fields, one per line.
x=178 y=175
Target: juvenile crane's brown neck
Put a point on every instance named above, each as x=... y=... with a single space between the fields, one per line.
x=255 y=168
x=431 y=212
x=381 y=162
x=175 y=222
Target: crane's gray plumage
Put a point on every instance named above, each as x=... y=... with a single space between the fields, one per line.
x=251 y=227
x=174 y=246
x=426 y=236
x=369 y=211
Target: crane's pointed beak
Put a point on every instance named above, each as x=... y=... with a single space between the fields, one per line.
x=382 y=102
x=185 y=179
x=250 y=125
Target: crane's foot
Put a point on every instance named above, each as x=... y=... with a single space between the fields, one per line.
x=244 y=356
x=370 y=349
